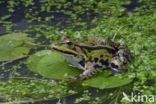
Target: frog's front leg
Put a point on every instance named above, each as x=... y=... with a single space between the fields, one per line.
x=89 y=71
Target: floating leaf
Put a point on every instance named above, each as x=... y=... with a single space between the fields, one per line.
x=103 y=80
x=34 y=59
x=53 y=65
x=13 y=46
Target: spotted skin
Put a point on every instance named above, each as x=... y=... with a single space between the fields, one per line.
x=95 y=55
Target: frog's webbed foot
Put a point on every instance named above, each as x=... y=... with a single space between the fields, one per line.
x=87 y=73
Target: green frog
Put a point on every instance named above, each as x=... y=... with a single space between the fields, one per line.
x=94 y=54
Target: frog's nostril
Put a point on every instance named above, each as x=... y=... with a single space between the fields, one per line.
x=53 y=45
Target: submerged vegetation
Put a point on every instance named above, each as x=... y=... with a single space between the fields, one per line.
x=29 y=73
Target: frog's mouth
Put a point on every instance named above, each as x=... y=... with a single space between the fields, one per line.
x=115 y=68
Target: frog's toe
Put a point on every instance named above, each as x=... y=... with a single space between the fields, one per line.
x=93 y=72
x=83 y=77
x=90 y=74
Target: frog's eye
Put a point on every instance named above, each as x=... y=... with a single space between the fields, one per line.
x=69 y=43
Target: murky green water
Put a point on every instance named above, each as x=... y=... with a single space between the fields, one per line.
x=131 y=23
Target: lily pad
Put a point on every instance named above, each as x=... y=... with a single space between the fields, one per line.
x=103 y=80
x=53 y=65
x=13 y=46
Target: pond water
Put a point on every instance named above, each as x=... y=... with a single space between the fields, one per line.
x=22 y=24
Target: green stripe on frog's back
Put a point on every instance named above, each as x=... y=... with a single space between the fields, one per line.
x=65 y=50
x=97 y=47
x=68 y=51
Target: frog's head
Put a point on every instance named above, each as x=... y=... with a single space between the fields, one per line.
x=117 y=65
x=120 y=61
